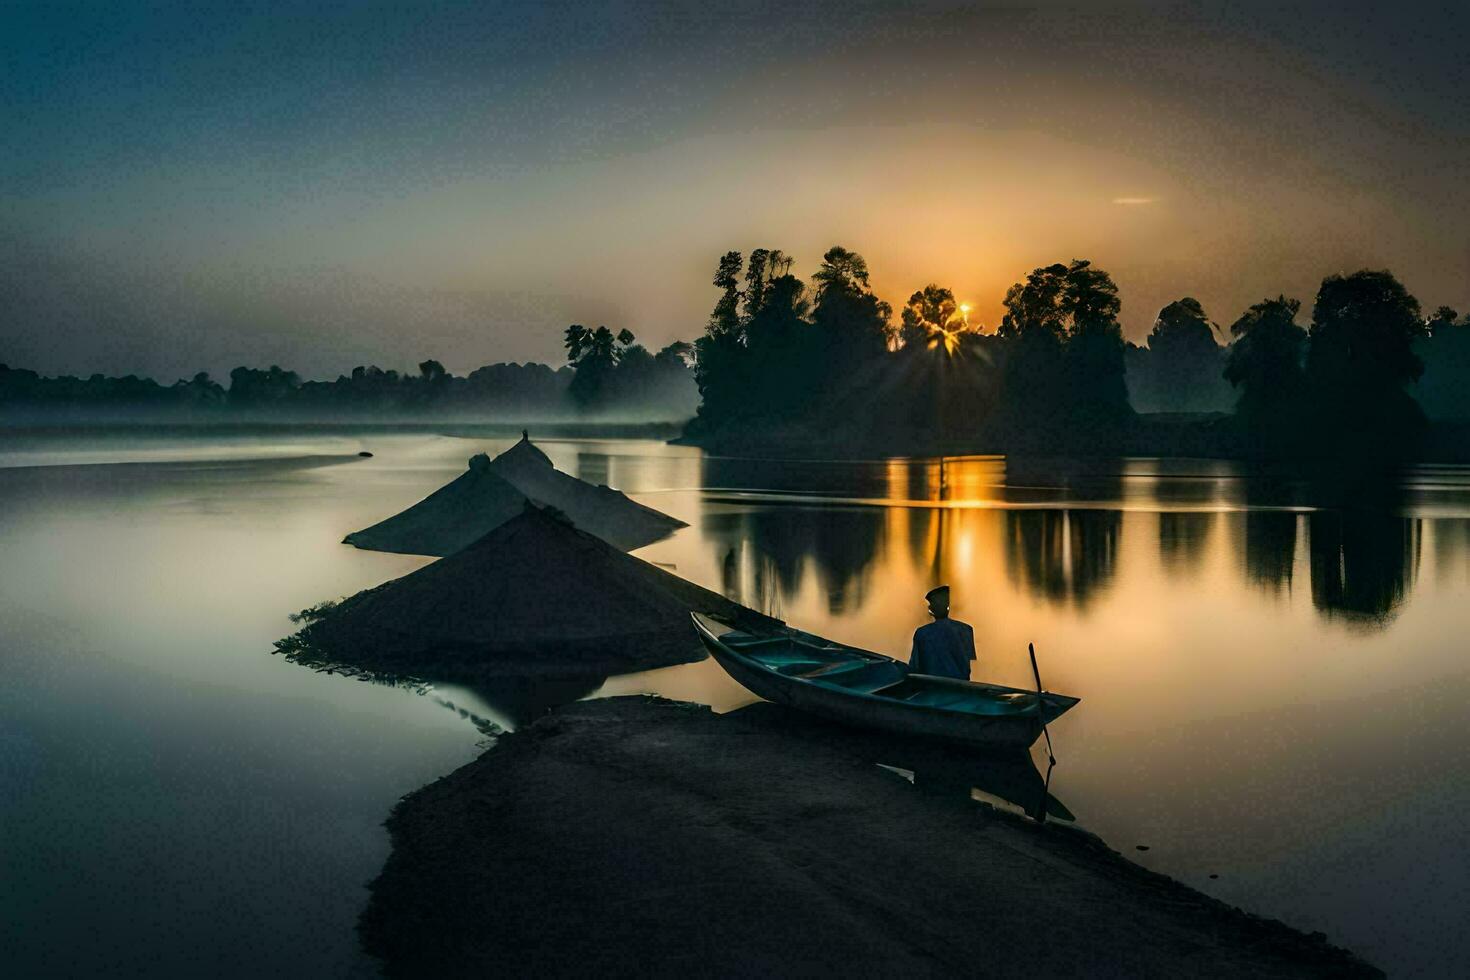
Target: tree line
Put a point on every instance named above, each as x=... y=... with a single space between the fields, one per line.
x=827 y=361
x=781 y=358
x=630 y=382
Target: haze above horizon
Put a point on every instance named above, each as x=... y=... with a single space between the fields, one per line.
x=195 y=190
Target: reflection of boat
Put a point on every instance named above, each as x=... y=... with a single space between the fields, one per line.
x=1010 y=776
x=868 y=690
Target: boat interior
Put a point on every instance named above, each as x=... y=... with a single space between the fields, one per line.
x=865 y=673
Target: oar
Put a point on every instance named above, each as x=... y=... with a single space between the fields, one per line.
x=1051 y=758
x=1045 y=793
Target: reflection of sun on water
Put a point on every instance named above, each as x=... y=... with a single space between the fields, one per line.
x=1136 y=567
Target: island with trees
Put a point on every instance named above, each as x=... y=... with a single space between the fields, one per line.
x=823 y=367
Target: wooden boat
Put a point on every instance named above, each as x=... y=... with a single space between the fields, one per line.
x=868 y=690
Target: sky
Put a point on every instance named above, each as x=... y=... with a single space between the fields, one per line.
x=190 y=188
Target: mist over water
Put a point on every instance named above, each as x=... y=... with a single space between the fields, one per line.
x=1270 y=663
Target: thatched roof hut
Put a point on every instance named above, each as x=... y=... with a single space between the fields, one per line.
x=599 y=510
x=491 y=492
x=455 y=515
x=534 y=596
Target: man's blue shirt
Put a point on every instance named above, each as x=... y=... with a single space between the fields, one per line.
x=943 y=648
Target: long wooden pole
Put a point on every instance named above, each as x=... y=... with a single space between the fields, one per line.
x=1035 y=672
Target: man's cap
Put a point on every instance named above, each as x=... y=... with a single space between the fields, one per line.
x=939 y=591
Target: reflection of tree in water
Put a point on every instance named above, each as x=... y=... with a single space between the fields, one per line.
x=1363 y=554
x=928 y=529
x=924 y=480
x=1094 y=538
x=740 y=535
x=934 y=539
x=1063 y=556
x=1270 y=528
x=1451 y=547
x=767 y=590
x=1182 y=537
x=1363 y=563
x=1035 y=551
x=1270 y=548
x=730 y=574
x=843 y=544
x=774 y=543
x=1184 y=494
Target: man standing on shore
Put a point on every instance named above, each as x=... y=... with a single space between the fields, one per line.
x=945 y=647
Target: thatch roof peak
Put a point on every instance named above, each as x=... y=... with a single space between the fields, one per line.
x=492 y=491
x=524 y=452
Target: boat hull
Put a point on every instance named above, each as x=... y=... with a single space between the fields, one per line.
x=870 y=711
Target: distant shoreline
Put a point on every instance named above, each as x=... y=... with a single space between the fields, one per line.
x=1213 y=436
x=663 y=431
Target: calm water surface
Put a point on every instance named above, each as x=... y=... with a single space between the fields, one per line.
x=1272 y=666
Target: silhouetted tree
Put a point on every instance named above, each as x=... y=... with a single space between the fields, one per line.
x=1064 y=362
x=643 y=382
x=851 y=333
x=1360 y=356
x=253 y=387
x=516 y=388
x=841 y=270
x=784 y=377
x=680 y=353
x=200 y=391
x=1181 y=370
x=1443 y=391
x=1444 y=316
x=430 y=390
x=942 y=380
x=931 y=317
x=1265 y=363
x=765 y=267
x=665 y=389
x=725 y=320
x=852 y=323
x=1095 y=346
x=1035 y=327
x=719 y=354
x=759 y=357
x=594 y=355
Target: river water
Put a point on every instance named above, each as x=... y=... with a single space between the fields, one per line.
x=1272 y=668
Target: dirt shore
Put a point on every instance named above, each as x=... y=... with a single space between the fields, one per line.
x=640 y=836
